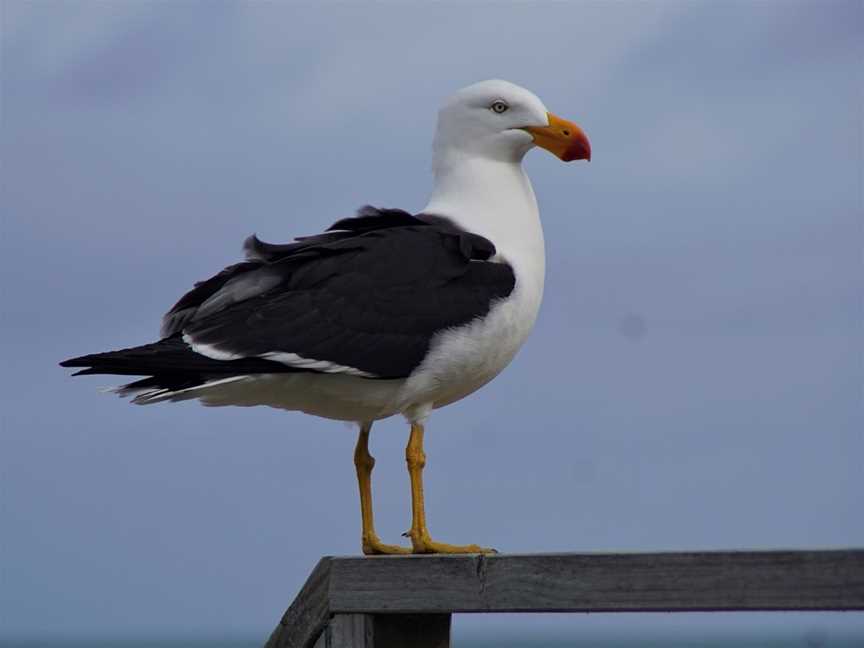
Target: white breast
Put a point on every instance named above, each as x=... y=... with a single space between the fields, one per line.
x=495 y=200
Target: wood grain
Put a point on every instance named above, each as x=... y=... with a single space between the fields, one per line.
x=308 y=615
x=649 y=582
x=387 y=586
x=351 y=631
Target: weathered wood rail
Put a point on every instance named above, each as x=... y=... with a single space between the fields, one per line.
x=399 y=601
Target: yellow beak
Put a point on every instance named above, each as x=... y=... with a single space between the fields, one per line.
x=563 y=138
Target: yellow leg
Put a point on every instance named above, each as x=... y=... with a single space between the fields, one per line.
x=420 y=540
x=365 y=462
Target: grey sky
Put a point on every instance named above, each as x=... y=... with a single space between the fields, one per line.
x=695 y=379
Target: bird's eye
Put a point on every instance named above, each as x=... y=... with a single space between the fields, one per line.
x=499 y=107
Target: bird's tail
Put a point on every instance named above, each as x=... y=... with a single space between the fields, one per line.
x=172 y=368
x=170 y=354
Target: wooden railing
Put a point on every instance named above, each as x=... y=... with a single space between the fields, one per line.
x=406 y=601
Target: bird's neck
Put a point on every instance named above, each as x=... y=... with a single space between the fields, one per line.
x=494 y=199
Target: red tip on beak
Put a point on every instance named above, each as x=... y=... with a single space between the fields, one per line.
x=563 y=138
x=579 y=149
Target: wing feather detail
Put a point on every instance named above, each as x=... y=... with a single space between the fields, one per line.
x=366 y=296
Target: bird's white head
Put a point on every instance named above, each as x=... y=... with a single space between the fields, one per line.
x=501 y=121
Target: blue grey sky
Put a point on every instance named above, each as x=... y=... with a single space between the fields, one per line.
x=694 y=380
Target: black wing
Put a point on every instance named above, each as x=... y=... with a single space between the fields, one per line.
x=366 y=297
x=243 y=280
x=369 y=300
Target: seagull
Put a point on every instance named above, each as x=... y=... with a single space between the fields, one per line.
x=384 y=313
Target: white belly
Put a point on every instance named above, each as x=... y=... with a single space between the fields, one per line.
x=462 y=360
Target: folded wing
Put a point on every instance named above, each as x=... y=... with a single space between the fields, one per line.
x=365 y=298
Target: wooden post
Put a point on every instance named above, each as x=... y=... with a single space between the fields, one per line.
x=386 y=631
x=397 y=601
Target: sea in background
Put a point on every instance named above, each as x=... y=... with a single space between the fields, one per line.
x=778 y=640
x=547 y=630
